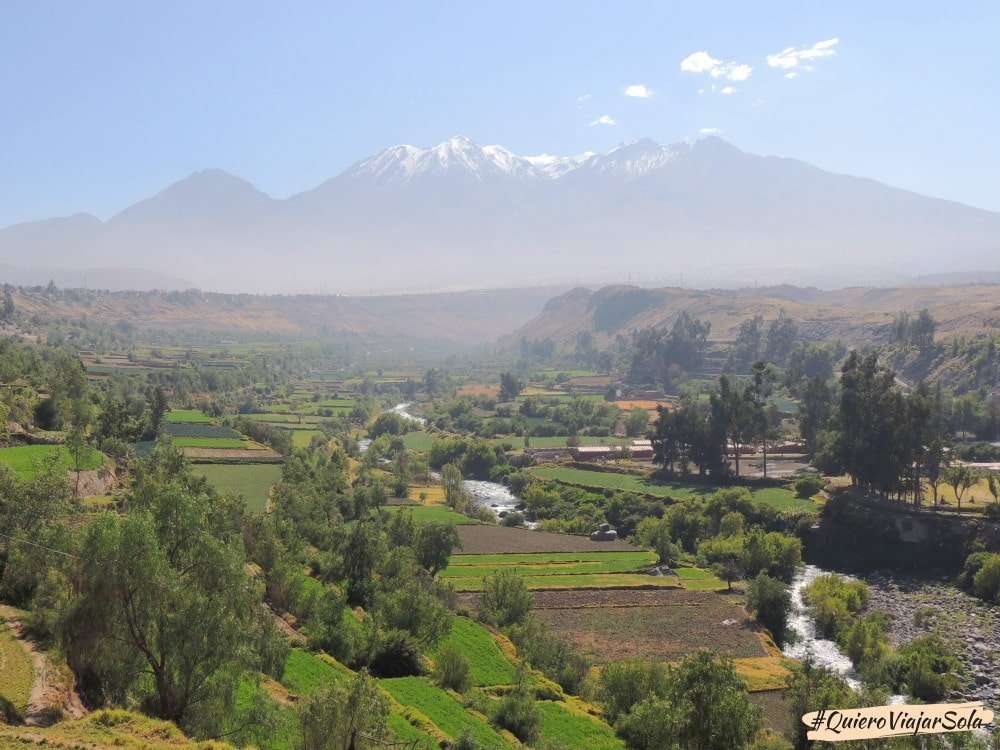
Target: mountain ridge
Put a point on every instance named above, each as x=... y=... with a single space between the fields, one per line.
x=445 y=216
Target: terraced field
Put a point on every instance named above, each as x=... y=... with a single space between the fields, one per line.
x=501 y=540
x=549 y=564
x=489 y=665
x=27 y=460
x=779 y=498
x=432 y=514
x=253 y=481
x=568 y=728
x=187 y=416
x=16 y=675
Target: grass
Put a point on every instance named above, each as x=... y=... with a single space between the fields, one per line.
x=418 y=440
x=489 y=665
x=188 y=416
x=302 y=438
x=764 y=672
x=432 y=514
x=443 y=710
x=542 y=564
x=213 y=442
x=252 y=481
x=26 y=461
x=544 y=558
x=582 y=581
x=777 y=497
x=558 y=441
x=306 y=672
x=16 y=673
x=570 y=728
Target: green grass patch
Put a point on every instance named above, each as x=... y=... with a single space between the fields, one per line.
x=489 y=665
x=188 y=416
x=622 y=562
x=28 y=460
x=780 y=498
x=546 y=558
x=583 y=581
x=212 y=442
x=306 y=672
x=432 y=514
x=252 y=481
x=418 y=440
x=16 y=672
x=302 y=438
x=441 y=708
x=562 y=725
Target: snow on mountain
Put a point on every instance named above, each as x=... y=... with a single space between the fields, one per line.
x=637 y=158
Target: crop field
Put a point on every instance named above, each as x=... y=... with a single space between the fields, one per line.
x=489 y=666
x=199 y=430
x=302 y=438
x=432 y=514
x=16 y=673
x=26 y=461
x=418 y=440
x=217 y=442
x=253 y=481
x=443 y=710
x=779 y=498
x=559 y=441
x=187 y=416
x=433 y=494
x=583 y=581
x=569 y=728
x=492 y=540
x=546 y=564
x=617 y=625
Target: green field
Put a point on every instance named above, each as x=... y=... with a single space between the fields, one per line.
x=562 y=725
x=27 y=460
x=585 y=581
x=16 y=673
x=188 y=416
x=213 y=442
x=306 y=672
x=253 y=481
x=777 y=497
x=432 y=514
x=542 y=564
x=418 y=440
x=302 y=438
x=489 y=665
x=443 y=710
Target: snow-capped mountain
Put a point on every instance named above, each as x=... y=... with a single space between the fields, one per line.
x=459 y=214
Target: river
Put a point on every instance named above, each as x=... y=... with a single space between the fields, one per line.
x=970 y=624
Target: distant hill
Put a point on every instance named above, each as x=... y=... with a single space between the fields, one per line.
x=462 y=319
x=460 y=215
x=856 y=315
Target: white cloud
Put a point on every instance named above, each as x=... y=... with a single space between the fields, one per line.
x=699 y=62
x=638 y=90
x=582 y=99
x=793 y=57
x=791 y=74
x=604 y=120
x=727 y=90
x=702 y=62
x=710 y=131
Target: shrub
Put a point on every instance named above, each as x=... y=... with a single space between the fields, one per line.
x=512 y=519
x=807 y=486
x=559 y=659
x=518 y=714
x=986 y=584
x=453 y=670
x=770 y=602
x=395 y=654
x=929 y=668
x=505 y=599
x=623 y=685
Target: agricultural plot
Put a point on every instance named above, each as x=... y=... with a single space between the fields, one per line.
x=489 y=666
x=443 y=710
x=779 y=498
x=569 y=728
x=26 y=461
x=485 y=540
x=16 y=673
x=187 y=416
x=617 y=625
x=252 y=481
x=302 y=438
x=418 y=440
x=466 y=566
x=582 y=582
x=217 y=442
x=432 y=514
x=198 y=430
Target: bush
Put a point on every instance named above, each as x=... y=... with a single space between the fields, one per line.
x=452 y=670
x=807 y=486
x=518 y=714
x=505 y=599
x=623 y=685
x=395 y=654
x=986 y=584
x=770 y=602
x=558 y=659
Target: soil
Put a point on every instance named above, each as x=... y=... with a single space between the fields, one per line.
x=478 y=540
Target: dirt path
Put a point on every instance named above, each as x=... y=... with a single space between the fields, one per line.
x=53 y=694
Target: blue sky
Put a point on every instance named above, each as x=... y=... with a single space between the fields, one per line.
x=104 y=103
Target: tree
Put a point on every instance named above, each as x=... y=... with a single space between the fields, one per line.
x=993 y=482
x=434 y=544
x=960 y=478
x=7 y=312
x=163 y=600
x=455 y=494
x=729 y=568
x=76 y=444
x=510 y=386
x=637 y=422
x=814 y=412
x=705 y=707
x=157 y=406
x=452 y=670
x=505 y=599
x=935 y=466
x=345 y=717
x=770 y=602
x=782 y=334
